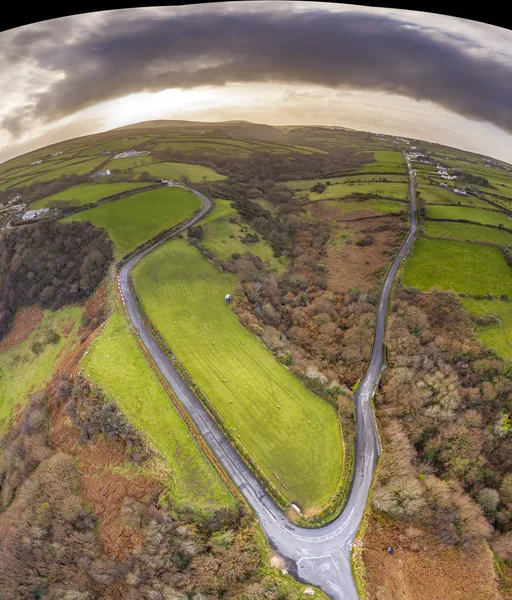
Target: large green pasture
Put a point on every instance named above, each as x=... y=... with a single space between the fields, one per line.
x=458 y=266
x=496 y=335
x=87 y=193
x=133 y=220
x=28 y=365
x=286 y=428
x=173 y=170
x=468 y=232
x=342 y=190
x=115 y=363
x=130 y=162
x=477 y=215
x=386 y=160
x=377 y=206
x=433 y=194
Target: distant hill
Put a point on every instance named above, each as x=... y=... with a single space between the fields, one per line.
x=256 y=131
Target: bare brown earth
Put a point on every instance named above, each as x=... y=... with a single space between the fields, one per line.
x=422 y=568
x=25 y=322
x=347 y=264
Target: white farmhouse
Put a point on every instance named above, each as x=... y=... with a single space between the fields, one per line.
x=99 y=174
x=33 y=214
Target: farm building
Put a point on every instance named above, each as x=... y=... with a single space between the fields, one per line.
x=33 y=214
x=99 y=174
x=227 y=298
x=37 y=162
x=131 y=153
x=460 y=191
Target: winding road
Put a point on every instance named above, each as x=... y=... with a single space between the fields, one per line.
x=318 y=556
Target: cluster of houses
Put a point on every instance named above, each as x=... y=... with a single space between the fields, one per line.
x=444 y=173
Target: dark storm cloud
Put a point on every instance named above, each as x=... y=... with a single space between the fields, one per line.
x=134 y=51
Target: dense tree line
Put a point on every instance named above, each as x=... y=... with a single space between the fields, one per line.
x=51 y=265
x=446 y=406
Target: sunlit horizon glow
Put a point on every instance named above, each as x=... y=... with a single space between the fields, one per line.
x=128 y=74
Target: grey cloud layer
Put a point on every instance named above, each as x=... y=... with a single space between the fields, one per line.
x=134 y=51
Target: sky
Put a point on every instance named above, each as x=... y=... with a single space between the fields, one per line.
x=415 y=74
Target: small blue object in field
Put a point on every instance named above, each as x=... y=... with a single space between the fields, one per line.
x=390 y=550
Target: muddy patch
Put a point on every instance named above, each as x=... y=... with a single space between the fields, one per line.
x=25 y=322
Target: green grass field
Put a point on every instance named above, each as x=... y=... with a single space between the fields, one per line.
x=386 y=160
x=496 y=335
x=223 y=237
x=438 y=195
x=240 y=147
x=477 y=215
x=74 y=168
x=133 y=220
x=117 y=145
x=171 y=170
x=342 y=190
x=458 y=266
x=307 y=184
x=378 y=206
x=467 y=232
x=115 y=363
x=183 y=294
x=130 y=162
x=87 y=193
x=25 y=368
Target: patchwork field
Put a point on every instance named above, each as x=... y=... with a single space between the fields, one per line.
x=239 y=147
x=133 y=220
x=30 y=363
x=170 y=170
x=467 y=232
x=116 y=145
x=287 y=429
x=86 y=193
x=496 y=335
x=477 y=215
x=343 y=190
x=116 y=364
x=438 y=195
x=458 y=266
x=76 y=168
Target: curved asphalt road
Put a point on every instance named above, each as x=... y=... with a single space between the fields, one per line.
x=318 y=556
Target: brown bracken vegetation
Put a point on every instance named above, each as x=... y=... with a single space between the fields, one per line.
x=444 y=409
x=82 y=516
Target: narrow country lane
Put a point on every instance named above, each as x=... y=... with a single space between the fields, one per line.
x=318 y=556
